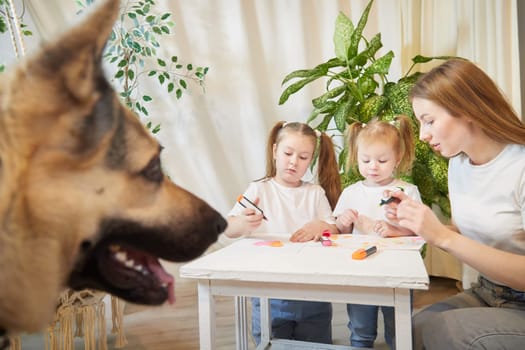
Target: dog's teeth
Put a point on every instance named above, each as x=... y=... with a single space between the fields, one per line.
x=121 y=256
x=129 y=263
x=138 y=268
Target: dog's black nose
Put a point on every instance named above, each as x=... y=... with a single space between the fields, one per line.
x=221 y=224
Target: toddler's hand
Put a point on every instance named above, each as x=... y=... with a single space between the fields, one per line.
x=311 y=231
x=303 y=235
x=383 y=229
x=346 y=219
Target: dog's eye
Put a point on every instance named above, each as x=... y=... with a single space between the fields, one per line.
x=153 y=171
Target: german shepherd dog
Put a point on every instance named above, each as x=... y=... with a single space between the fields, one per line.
x=84 y=202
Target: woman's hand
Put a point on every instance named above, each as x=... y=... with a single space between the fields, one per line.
x=384 y=229
x=417 y=217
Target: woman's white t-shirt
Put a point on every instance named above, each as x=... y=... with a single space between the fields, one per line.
x=487 y=201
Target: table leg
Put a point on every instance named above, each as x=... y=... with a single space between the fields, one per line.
x=403 y=316
x=266 y=321
x=241 y=323
x=206 y=316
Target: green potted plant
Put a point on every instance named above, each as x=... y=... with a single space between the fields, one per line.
x=358 y=89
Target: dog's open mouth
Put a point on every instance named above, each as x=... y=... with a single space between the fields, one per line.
x=128 y=273
x=134 y=271
x=123 y=258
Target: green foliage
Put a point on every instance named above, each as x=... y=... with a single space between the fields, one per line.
x=3 y=25
x=134 y=50
x=357 y=90
x=5 y=16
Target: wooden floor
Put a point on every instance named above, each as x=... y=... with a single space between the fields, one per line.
x=176 y=327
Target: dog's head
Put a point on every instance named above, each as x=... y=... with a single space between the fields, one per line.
x=83 y=199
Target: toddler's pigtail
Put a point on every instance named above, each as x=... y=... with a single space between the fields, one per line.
x=351 y=135
x=407 y=147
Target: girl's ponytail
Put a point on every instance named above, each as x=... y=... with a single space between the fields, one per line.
x=272 y=139
x=328 y=170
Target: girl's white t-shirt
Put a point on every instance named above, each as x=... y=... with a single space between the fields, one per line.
x=286 y=208
x=366 y=199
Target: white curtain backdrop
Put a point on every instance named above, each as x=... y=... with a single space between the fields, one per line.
x=215 y=140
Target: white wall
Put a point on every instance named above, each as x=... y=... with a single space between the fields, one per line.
x=214 y=141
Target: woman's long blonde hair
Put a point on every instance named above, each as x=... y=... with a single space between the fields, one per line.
x=464 y=90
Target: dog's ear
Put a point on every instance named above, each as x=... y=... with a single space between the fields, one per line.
x=77 y=56
x=64 y=83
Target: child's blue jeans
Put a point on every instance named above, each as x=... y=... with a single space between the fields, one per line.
x=363 y=325
x=309 y=321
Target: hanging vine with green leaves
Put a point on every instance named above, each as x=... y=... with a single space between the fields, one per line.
x=133 y=49
x=13 y=23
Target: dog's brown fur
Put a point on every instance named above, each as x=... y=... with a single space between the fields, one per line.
x=80 y=174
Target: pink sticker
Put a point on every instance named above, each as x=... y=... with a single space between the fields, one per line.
x=269 y=244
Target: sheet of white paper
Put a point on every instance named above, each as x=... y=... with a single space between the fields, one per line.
x=349 y=241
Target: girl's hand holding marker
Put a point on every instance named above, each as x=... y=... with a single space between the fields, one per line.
x=246 y=203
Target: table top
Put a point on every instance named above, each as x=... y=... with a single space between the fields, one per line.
x=273 y=258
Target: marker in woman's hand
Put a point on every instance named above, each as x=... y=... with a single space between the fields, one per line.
x=391 y=198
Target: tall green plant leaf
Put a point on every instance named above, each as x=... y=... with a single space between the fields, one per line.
x=381 y=65
x=358 y=32
x=342 y=111
x=321 y=100
x=329 y=107
x=293 y=88
x=373 y=46
x=342 y=36
x=306 y=73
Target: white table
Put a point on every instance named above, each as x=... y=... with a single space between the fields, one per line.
x=304 y=271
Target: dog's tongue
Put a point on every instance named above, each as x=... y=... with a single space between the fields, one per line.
x=164 y=277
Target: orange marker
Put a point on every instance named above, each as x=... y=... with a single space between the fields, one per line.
x=360 y=254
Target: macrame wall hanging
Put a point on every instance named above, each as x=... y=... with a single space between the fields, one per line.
x=81 y=314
